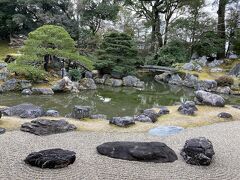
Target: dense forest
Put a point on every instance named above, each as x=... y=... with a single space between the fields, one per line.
x=160 y=32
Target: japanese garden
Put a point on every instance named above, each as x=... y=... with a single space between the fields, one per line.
x=119 y=89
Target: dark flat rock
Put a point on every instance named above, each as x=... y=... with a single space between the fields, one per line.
x=188 y=108
x=198 y=151
x=80 y=112
x=24 y=111
x=122 y=121
x=225 y=115
x=2 y=131
x=43 y=127
x=51 y=158
x=138 y=151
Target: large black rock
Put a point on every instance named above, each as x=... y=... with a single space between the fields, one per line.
x=51 y=158
x=138 y=151
x=43 y=127
x=198 y=151
x=24 y=111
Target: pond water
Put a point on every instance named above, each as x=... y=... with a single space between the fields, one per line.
x=111 y=101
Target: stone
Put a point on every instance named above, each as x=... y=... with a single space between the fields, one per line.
x=144 y=118
x=215 y=70
x=198 y=151
x=207 y=85
x=165 y=77
x=42 y=91
x=211 y=99
x=87 y=84
x=138 y=151
x=163 y=131
x=4 y=73
x=2 y=131
x=64 y=85
x=43 y=127
x=132 y=81
x=233 y=56
x=152 y=114
x=3 y=65
x=51 y=158
x=202 y=61
x=16 y=85
x=215 y=63
x=27 y=92
x=122 y=121
x=98 y=116
x=52 y=113
x=236 y=106
x=190 y=81
x=163 y=110
x=224 y=90
x=235 y=71
x=175 y=79
x=88 y=74
x=80 y=112
x=24 y=111
x=99 y=80
x=114 y=82
x=225 y=115
x=188 y=108
x=188 y=67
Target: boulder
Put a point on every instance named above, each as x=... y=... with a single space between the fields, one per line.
x=138 y=151
x=16 y=85
x=165 y=77
x=64 y=85
x=190 y=81
x=132 y=81
x=207 y=98
x=24 y=111
x=42 y=127
x=114 y=82
x=4 y=73
x=224 y=90
x=202 y=61
x=88 y=74
x=188 y=67
x=3 y=66
x=42 y=91
x=144 y=118
x=87 y=84
x=2 y=131
x=225 y=115
x=236 y=106
x=215 y=63
x=235 y=71
x=52 y=113
x=27 y=92
x=215 y=70
x=51 y=158
x=163 y=110
x=80 y=112
x=188 y=108
x=153 y=114
x=103 y=79
x=98 y=116
x=198 y=151
x=207 y=85
x=122 y=121
x=233 y=56
x=165 y=130
x=175 y=79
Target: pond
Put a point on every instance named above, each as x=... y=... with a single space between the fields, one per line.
x=111 y=101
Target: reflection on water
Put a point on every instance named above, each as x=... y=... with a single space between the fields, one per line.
x=110 y=101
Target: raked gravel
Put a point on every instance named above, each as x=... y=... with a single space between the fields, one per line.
x=16 y=145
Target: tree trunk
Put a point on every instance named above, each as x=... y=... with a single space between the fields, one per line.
x=221 y=27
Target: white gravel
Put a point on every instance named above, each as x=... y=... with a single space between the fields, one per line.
x=16 y=145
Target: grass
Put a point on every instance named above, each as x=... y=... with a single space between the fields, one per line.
x=5 y=50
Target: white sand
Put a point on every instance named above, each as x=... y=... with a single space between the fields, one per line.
x=16 y=145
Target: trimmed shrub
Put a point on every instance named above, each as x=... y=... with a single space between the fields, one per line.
x=225 y=81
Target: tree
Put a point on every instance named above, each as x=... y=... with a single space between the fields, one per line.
x=117 y=55
x=52 y=41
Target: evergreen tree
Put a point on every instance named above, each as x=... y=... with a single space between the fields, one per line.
x=117 y=55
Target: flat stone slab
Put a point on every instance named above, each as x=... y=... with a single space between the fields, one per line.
x=198 y=151
x=51 y=158
x=43 y=127
x=138 y=151
x=24 y=111
x=165 y=130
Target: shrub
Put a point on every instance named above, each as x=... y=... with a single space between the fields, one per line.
x=225 y=81
x=117 y=54
x=174 y=52
x=75 y=74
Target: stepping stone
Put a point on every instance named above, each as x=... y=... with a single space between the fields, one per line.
x=138 y=151
x=43 y=127
x=198 y=151
x=122 y=121
x=51 y=158
x=165 y=130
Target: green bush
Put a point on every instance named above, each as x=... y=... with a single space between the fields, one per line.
x=75 y=74
x=225 y=81
x=117 y=54
x=174 y=52
x=29 y=72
